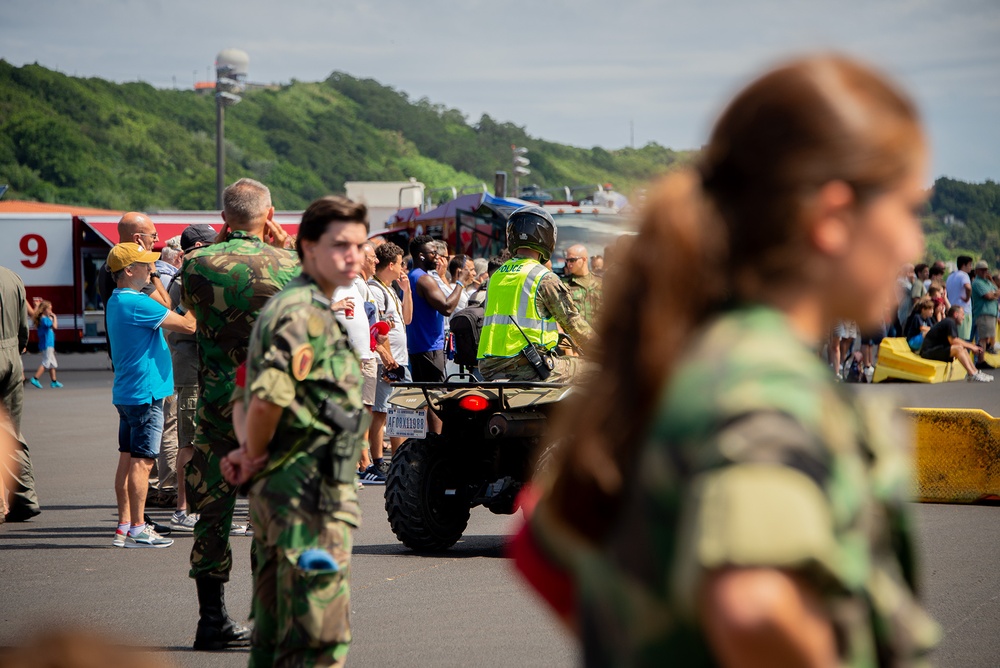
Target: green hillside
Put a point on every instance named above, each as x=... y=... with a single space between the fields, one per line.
x=131 y=146
x=965 y=220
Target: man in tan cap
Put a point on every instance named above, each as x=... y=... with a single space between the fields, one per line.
x=984 y=307
x=143 y=378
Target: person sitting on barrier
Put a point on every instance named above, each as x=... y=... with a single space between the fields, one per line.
x=919 y=322
x=942 y=343
x=525 y=306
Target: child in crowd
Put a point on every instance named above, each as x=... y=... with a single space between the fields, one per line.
x=936 y=295
x=46 y=324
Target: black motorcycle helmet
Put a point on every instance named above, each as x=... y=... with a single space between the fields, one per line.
x=532 y=227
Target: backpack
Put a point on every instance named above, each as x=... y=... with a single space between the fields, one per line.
x=466 y=326
x=854 y=371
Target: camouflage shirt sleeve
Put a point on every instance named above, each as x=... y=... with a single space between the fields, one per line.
x=280 y=342
x=554 y=299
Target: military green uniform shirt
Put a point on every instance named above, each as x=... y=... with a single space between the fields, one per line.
x=587 y=292
x=306 y=498
x=755 y=459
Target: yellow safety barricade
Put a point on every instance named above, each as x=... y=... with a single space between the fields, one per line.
x=957 y=454
x=897 y=361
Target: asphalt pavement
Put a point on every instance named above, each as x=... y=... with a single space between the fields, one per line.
x=464 y=607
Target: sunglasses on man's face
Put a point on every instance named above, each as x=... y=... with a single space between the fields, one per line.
x=572 y=259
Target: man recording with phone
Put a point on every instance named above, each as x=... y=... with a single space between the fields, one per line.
x=526 y=303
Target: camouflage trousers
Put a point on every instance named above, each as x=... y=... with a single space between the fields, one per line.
x=564 y=369
x=301 y=617
x=212 y=498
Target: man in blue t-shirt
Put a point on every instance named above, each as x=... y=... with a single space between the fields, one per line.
x=143 y=378
x=425 y=333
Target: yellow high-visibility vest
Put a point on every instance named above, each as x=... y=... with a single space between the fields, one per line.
x=510 y=298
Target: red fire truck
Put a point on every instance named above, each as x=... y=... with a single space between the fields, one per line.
x=57 y=251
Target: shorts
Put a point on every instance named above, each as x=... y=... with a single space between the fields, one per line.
x=986 y=327
x=140 y=429
x=428 y=367
x=187 y=414
x=369 y=371
x=965 y=329
x=384 y=389
x=49 y=358
x=937 y=353
x=846 y=329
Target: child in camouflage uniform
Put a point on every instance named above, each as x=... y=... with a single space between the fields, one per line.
x=303 y=433
x=721 y=500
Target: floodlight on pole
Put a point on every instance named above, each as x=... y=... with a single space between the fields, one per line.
x=230 y=80
x=519 y=162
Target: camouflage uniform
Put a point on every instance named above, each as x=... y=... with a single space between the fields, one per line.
x=306 y=498
x=13 y=339
x=554 y=301
x=225 y=285
x=754 y=459
x=587 y=292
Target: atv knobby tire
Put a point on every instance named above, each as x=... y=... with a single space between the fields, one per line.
x=423 y=518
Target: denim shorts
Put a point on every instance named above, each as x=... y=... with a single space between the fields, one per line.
x=140 y=428
x=384 y=389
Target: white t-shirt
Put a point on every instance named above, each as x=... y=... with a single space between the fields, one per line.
x=390 y=306
x=357 y=327
x=956 y=292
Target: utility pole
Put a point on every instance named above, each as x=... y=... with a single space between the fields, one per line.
x=520 y=168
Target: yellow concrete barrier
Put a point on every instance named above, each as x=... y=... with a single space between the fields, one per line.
x=957 y=454
x=897 y=361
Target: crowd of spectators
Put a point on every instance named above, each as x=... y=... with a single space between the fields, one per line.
x=943 y=315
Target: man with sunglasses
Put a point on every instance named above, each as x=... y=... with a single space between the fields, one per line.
x=585 y=287
x=137 y=228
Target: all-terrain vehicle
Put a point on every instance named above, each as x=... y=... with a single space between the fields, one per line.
x=486 y=452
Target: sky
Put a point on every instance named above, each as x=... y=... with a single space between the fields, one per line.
x=578 y=72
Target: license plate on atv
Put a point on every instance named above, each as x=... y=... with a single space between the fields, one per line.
x=404 y=423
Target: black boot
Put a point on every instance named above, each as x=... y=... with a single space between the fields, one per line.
x=215 y=629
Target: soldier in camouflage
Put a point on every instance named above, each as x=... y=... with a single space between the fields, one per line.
x=304 y=430
x=719 y=500
x=585 y=287
x=225 y=285
x=525 y=303
x=745 y=435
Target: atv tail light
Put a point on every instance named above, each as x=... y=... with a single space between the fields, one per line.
x=474 y=403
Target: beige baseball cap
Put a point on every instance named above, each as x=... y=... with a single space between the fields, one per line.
x=125 y=254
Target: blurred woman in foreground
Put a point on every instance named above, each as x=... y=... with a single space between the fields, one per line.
x=720 y=500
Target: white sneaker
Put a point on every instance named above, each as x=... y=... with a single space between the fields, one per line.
x=869 y=372
x=980 y=377
x=183 y=522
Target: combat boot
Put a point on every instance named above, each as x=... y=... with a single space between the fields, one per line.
x=216 y=630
